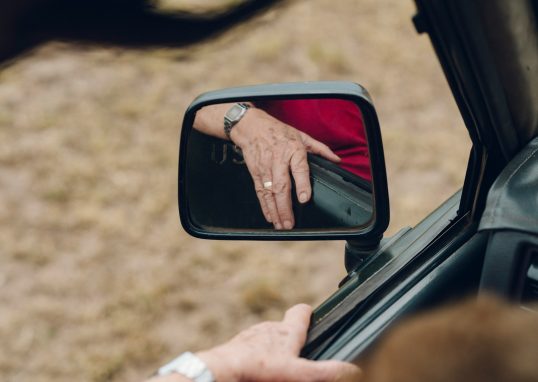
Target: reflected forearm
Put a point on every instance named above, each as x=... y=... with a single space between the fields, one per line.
x=210 y=119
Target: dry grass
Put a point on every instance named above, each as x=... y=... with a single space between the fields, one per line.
x=97 y=280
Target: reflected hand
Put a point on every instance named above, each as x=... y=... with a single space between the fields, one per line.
x=272 y=150
x=269 y=352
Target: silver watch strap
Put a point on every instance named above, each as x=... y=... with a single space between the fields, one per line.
x=190 y=366
x=233 y=116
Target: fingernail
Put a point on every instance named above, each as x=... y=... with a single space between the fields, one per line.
x=303 y=198
x=278 y=226
x=287 y=224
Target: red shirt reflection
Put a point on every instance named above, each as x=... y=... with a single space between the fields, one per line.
x=336 y=122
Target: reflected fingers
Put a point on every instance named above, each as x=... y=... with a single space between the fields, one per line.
x=260 y=170
x=301 y=175
x=319 y=148
x=269 y=199
x=282 y=193
x=258 y=186
x=267 y=202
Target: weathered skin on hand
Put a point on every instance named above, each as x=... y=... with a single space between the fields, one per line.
x=272 y=150
x=269 y=352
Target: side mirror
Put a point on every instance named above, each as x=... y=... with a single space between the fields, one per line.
x=252 y=183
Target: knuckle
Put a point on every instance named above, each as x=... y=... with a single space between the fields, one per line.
x=301 y=168
x=286 y=214
x=280 y=187
x=267 y=194
x=297 y=145
x=266 y=326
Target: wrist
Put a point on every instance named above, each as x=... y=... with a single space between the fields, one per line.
x=241 y=133
x=222 y=368
x=233 y=116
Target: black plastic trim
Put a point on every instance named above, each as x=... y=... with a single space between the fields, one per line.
x=433 y=232
x=455 y=31
x=507 y=258
x=437 y=281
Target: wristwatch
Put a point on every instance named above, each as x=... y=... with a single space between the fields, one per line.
x=188 y=365
x=234 y=115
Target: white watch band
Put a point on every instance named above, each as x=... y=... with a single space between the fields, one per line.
x=190 y=366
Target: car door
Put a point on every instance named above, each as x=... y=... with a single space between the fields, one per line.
x=443 y=257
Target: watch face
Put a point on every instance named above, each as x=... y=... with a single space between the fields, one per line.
x=234 y=112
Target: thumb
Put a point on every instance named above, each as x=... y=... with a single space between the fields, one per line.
x=328 y=371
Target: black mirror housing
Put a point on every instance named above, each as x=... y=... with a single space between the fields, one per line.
x=338 y=196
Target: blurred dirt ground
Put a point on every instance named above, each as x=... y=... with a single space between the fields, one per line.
x=98 y=282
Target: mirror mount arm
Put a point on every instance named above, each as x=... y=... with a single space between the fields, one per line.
x=357 y=251
x=358 y=254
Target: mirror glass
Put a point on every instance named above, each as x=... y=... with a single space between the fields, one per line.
x=279 y=164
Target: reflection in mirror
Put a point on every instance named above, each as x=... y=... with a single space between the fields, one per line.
x=295 y=164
